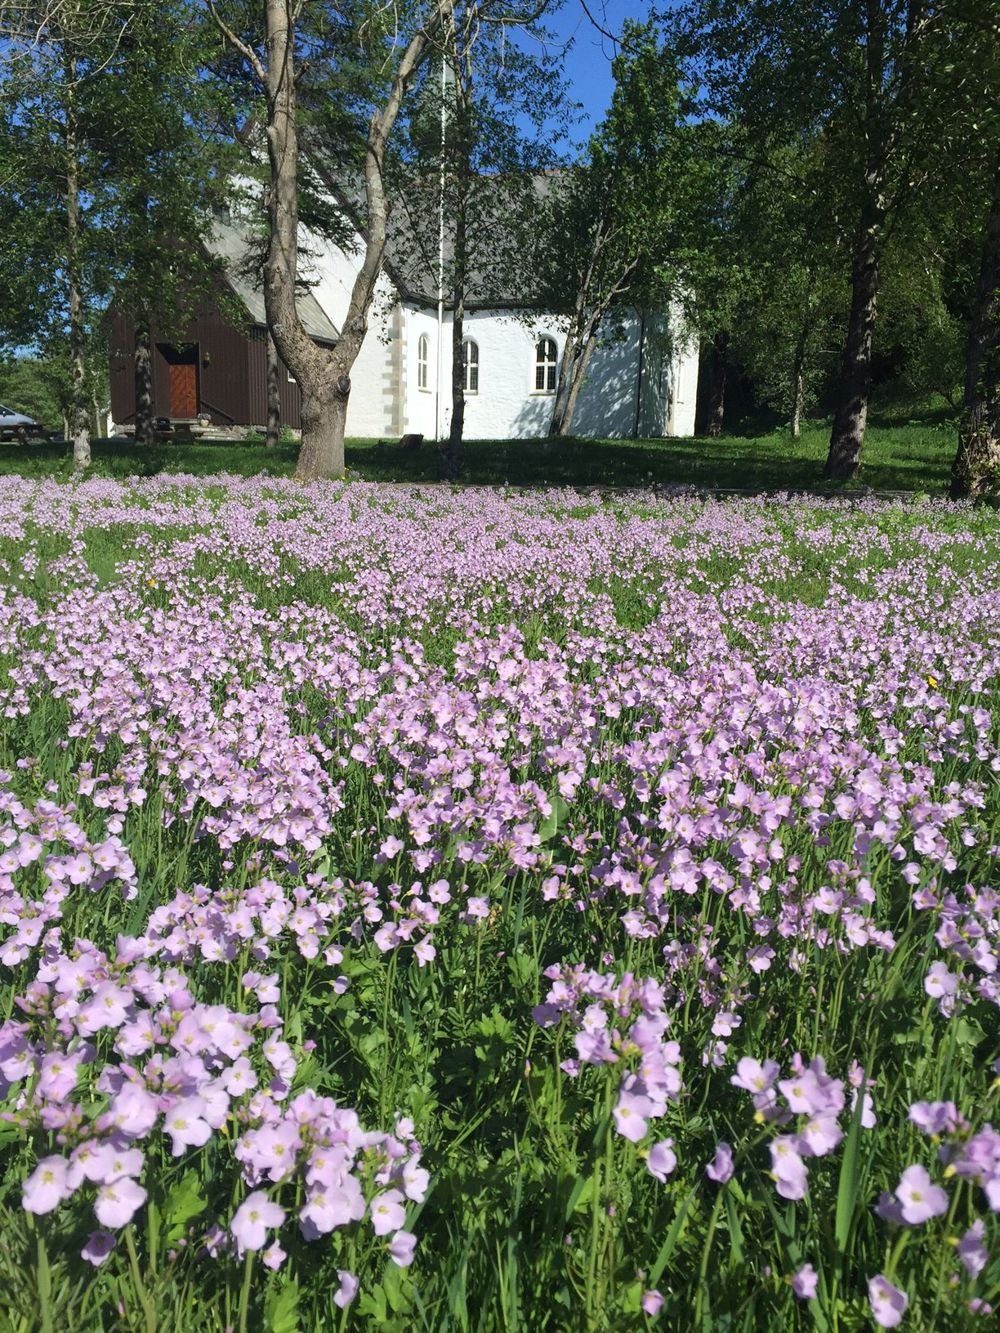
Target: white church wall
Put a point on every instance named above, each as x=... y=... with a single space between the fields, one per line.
x=388 y=399
x=507 y=405
x=422 y=400
x=606 y=407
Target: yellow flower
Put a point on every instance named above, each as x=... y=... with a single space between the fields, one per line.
x=932 y=682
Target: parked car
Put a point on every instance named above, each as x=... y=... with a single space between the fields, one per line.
x=16 y=426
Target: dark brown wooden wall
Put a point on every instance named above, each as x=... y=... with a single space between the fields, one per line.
x=232 y=371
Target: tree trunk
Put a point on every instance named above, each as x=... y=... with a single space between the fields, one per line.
x=143 y=380
x=976 y=469
x=77 y=336
x=579 y=361
x=324 y=377
x=273 y=396
x=580 y=343
x=456 y=428
x=718 y=373
x=324 y=418
x=562 y=409
x=798 y=385
x=463 y=176
x=851 y=415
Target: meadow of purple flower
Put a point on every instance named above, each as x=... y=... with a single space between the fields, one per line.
x=497 y=911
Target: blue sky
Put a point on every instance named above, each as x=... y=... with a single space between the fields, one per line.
x=588 y=62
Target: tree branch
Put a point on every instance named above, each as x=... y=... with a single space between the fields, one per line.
x=247 y=52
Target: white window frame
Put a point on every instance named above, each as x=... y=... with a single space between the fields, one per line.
x=470 y=365
x=548 y=364
x=423 y=363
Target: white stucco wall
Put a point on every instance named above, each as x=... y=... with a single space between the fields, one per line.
x=507 y=405
x=387 y=400
x=372 y=411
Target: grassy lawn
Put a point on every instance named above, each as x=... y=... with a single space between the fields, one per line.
x=899 y=455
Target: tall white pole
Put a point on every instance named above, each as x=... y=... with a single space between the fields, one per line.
x=440 y=272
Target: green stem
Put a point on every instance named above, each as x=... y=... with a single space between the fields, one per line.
x=245 y=1292
x=706 y=1255
x=44 y=1287
x=148 y=1308
x=384 y=1099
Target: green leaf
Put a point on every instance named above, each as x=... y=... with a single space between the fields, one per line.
x=847 y=1188
x=184 y=1202
x=672 y=1238
x=372 y=1305
x=968 y=1033
x=549 y=827
x=398 y=1289
x=282 y=1309
x=736 y=1255
x=580 y=1195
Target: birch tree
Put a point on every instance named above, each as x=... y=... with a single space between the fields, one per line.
x=402 y=43
x=486 y=121
x=612 y=224
x=51 y=58
x=862 y=76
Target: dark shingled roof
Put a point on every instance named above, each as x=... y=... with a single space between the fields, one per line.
x=234 y=244
x=501 y=268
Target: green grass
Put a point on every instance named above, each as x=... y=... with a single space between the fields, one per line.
x=899 y=455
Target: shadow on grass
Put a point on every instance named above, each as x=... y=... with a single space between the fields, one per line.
x=909 y=457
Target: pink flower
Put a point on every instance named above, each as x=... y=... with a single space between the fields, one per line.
x=753 y=1076
x=819 y=1136
x=888 y=1302
x=720 y=1169
x=99 y=1245
x=415 y=1178
x=805 y=1282
x=274 y=1256
x=117 y=1203
x=133 y=1111
x=631 y=1114
x=336 y=1206
x=57 y=1077
x=347 y=1290
x=788 y=1169
x=661 y=1160
x=47 y=1186
x=388 y=1213
x=401 y=1248
x=919 y=1199
x=255 y=1215
x=939 y=982
x=652 y=1303
x=185 y=1124
x=935 y=1117
x=971 y=1250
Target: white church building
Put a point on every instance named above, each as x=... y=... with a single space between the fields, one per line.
x=641 y=382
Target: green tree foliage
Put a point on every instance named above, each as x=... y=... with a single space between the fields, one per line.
x=110 y=163
x=616 y=222
x=36 y=387
x=871 y=83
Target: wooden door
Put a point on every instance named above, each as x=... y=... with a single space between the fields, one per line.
x=183 y=390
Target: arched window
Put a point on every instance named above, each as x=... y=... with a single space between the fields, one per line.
x=546 y=365
x=470 y=364
x=423 y=347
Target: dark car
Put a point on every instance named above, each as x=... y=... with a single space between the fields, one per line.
x=16 y=426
